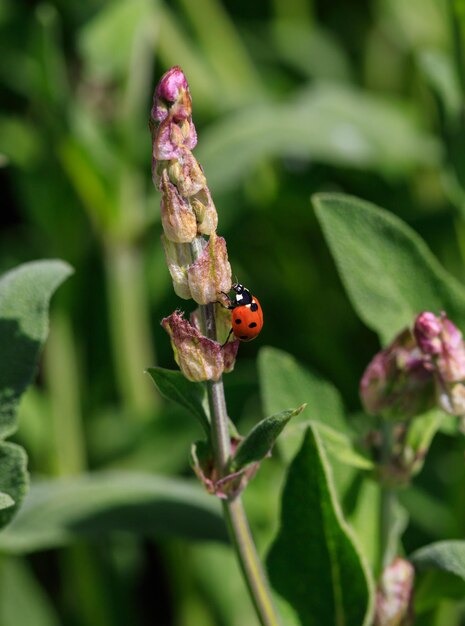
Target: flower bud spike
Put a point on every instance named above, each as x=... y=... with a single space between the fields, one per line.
x=177 y=217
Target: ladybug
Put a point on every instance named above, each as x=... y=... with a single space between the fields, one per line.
x=246 y=314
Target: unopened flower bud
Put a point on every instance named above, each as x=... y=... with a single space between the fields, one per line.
x=210 y=274
x=171 y=90
x=398 y=383
x=187 y=174
x=178 y=259
x=199 y=358
x=177 y=217
x=171 y=123
x=427 y=331
x=394 y=595
x=205 y=212
x=440 y=339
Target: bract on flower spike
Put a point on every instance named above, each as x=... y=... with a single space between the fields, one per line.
x=198 y=357
x=420 y=368
x=199 y=267
x=394 y=597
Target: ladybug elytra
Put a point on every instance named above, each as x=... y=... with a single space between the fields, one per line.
x=246 y=314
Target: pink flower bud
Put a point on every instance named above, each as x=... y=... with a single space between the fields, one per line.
x=177 y=217
x=442 y=340
x=171 y=119
x=427 y=331
x=187 y=174
x=178 y=259
x=210 y=274
x=170 y=140
x=172 y=88
x=394 y=595
x=199 y=358
x=398 y=383
x=205 y=212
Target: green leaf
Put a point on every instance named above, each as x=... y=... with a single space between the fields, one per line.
x=25 y=293
x=388 y=271
x=341 y=447
x=446 y=556
x=57 y=512
x=191 y=396
x=284 y=382
x=23 y=599
x=313 y=562
x=334 y=124
x=106 y=41
x=440 y=573
x=262 y=437
x=13 y=479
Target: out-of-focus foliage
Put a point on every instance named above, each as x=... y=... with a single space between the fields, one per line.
x=290 y=98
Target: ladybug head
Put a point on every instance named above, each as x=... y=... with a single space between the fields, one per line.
x=238 y=288
x=243 y=295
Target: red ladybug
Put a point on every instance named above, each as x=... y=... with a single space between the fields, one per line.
x=246 y=314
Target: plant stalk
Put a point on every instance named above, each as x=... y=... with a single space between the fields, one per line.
x=388 y=501
x=234 y=513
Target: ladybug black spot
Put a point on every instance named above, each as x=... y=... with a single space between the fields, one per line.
x=238 y=321
x=254 y=306
x=252 y=324
x=243 y=337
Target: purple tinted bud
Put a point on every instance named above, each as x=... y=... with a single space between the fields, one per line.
x=210 y=274
x=394 y=595
x=451 y=362
x=199 y=358
x=178 y=259
x=187 y=174
x=427 y=331
x=398 y=383
x=439 y=338
x=177 y=217
x=172 y=88
x=205 y=212
x=171 y=118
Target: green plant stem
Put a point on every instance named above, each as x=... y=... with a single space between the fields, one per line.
x=249 y=561
x=388 y=500
x=238 y=527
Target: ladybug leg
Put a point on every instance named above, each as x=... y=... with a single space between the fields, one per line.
x=227 y=339
x=230 y=306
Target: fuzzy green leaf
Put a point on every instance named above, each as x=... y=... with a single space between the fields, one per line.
x=388 y=271
x=25 y=293
x=173 y=386
x=284 y=382
x=447 y=556
x=106 y=41
x=334 y=124
x=440 y=573
x=57 y=512
x=313 y=562
x=262 y=437
x=13 y=479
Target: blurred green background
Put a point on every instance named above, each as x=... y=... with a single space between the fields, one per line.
x=290 y=97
